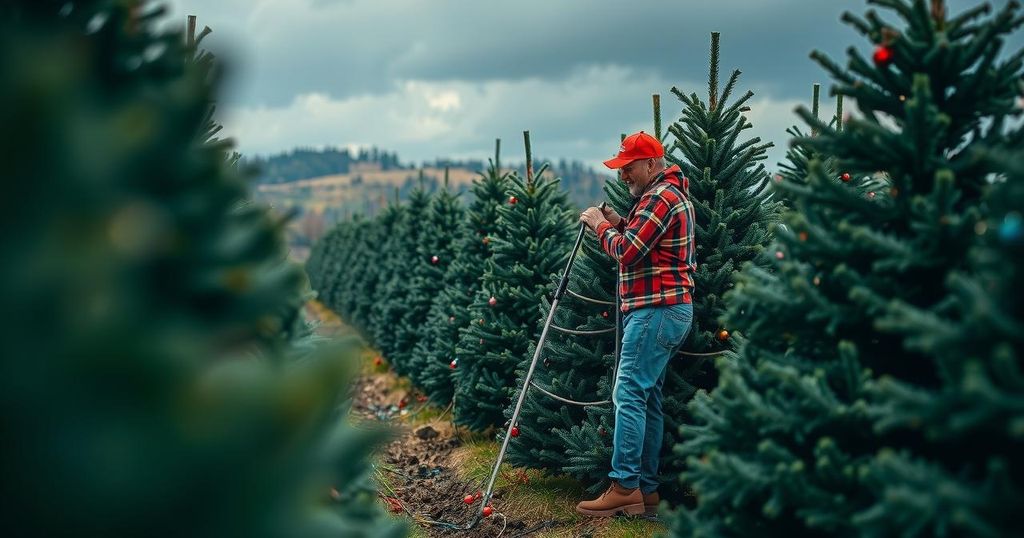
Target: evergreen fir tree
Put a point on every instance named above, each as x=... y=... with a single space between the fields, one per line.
x=734 y=212
x=407 y=299
x=396 y=289
x=141 y=285
x=794 y=169
x=574 y=439
x=378 y=242
x=438 y=251
x=360 y=271
x=451 y=311
x=871 y=395
x=340 y=255
x=530 y=243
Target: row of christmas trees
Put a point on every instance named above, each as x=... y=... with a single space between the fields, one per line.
x=454 y=296
x=871 y=381
x=157 y=376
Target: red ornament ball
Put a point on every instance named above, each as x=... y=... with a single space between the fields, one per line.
x=468 y=499
x=453 y=364
x=515 y=431
x=512 y=200
x=871 y=194
x=402 y=403
x=488 y=511
x=492 y=301
x=779 y=254
x=846 y=176
x=604 y=314
x=882 y=55
x=723 y=335
x=434 y=260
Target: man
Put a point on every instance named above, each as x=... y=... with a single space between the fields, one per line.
x=655 y=249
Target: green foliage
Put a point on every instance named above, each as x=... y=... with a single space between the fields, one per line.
x=530 y=243
x=450 y=311
x=402 y=305
x=309 y=163
x=568 y=439
x=148 y=308
x=735 y=211
x=873 y=393
x=431 y=275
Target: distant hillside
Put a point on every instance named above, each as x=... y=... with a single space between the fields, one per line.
x=304 y=163
x=583 y=182
x=323 y=187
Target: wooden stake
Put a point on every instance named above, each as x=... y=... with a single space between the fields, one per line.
x=656 y=99
x=190 y=39
x=814 y=106
x=529 y=159
x=497 y=155
x=839 y=112
x=713 y=75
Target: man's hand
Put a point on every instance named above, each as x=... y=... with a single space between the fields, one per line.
x=610 y=214
x=592 y=217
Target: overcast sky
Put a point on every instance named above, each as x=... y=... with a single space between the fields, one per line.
x=444 y=78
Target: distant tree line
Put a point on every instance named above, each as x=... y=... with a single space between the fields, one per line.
x=583 y=182
x=304 y=163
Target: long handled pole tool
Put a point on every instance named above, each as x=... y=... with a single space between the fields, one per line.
x=527 y=381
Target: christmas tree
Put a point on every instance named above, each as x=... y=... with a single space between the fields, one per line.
x=530 y=243
x=794 y=169
x=379 y=241
x=359 y=281
x=140 y=287
x=397 y=294
x=330 y=265
x=442 y=232
x=871 y=395
x=734 y=211
x=450 y=311
x=578 y=365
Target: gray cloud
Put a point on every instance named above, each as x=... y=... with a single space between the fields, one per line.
x=576 y=72
x=347 y=47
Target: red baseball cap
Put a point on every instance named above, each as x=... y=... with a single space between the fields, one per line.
x=636 y=146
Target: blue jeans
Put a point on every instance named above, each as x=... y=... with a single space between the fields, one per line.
x=650 y=337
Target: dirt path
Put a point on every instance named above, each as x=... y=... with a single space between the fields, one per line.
x=430 y=467
x=419 y=471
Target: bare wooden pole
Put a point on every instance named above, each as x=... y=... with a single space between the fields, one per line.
x=529 y=159
x=713 y=75
x=656 y=103
x=814 y=106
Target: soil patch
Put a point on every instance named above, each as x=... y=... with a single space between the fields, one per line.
x=418 y=470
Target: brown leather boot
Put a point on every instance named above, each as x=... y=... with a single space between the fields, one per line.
x=651 y=501
x=616 y=499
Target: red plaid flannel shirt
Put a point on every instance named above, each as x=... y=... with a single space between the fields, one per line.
x=655 y=245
